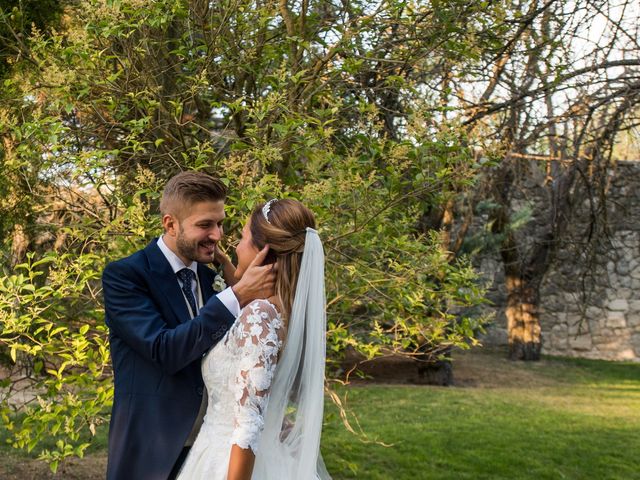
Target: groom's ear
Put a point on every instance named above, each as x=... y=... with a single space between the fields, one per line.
x=169 y=223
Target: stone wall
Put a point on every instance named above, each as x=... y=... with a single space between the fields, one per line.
x=588 y=312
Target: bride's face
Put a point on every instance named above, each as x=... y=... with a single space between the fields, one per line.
x=246 y=251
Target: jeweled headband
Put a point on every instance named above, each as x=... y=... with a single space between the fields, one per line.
x=267 y=208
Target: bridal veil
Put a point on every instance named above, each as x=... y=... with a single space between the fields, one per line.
x=289 y=447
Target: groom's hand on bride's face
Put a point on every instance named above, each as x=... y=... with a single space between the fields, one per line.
x=258 y=281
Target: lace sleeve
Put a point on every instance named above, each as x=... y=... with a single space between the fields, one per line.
x=258 y=335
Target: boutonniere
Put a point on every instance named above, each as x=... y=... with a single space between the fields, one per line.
x=219 y=283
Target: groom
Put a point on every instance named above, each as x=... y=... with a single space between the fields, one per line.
x=163 y=316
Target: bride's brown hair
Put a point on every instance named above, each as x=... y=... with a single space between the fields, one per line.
x=285 y=233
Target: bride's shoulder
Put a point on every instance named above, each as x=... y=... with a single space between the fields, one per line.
x=259 y=318
x=260 y=310
x=266 y=305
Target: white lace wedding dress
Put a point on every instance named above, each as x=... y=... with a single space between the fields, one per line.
x=237 y=372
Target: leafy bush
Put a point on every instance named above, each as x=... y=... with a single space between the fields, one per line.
x=127 y=93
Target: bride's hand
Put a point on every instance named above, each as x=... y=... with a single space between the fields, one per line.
x=219 y=256
x=228 y=268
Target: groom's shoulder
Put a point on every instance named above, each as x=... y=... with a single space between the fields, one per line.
x=136 y=261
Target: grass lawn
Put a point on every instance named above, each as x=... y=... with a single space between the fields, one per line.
x=554 y=419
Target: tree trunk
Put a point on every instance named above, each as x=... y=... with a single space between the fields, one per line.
x=523 y=319
x=19 y=245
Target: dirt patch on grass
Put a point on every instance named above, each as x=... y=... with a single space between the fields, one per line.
x=492 y=369
x=487 y=368
x=90 y=467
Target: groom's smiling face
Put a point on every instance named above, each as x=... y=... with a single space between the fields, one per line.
x=193 y=233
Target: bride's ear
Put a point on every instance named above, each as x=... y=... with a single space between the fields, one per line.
x=271 y=258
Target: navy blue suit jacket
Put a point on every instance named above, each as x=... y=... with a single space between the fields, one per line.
x=156 y=351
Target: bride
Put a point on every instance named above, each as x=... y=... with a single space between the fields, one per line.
x=265 y=378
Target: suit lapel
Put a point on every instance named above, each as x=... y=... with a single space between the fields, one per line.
x=163 y=280
x=206 y=277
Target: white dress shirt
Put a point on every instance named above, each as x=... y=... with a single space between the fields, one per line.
x=227 y=297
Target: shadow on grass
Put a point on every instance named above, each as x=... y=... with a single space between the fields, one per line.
x=600 y=371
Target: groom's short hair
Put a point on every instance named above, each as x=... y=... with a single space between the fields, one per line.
x=186 y=188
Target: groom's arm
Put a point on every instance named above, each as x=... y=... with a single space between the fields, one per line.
x=134 y=317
